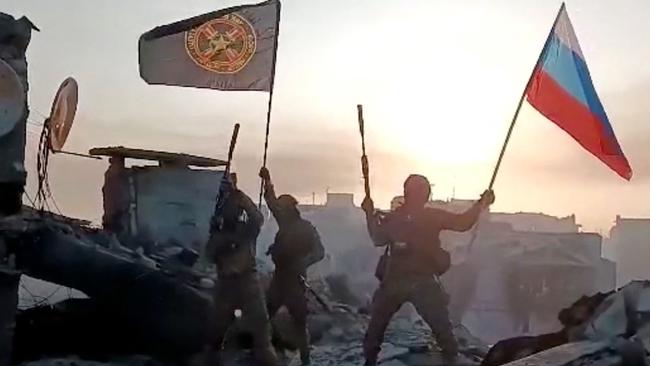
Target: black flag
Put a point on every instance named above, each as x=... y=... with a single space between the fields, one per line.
x=229 y=49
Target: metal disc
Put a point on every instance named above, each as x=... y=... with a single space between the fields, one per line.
x=12 y=98
x=63 y=112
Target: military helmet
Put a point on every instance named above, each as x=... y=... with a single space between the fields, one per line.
x=417 y=183
x=287 y=200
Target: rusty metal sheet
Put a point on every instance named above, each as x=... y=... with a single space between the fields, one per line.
x=162 y=156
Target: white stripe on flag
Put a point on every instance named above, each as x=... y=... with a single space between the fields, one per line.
x=564 y=31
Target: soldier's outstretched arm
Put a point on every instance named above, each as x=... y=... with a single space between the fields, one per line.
x=465 y=221
x=377 y=231
x=269 y=191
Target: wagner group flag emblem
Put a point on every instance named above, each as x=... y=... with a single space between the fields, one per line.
x=561 y=89
x=229 y=49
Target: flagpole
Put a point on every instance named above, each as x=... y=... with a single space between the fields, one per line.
x=521 y=101
x=514 y=119
x=270 y=105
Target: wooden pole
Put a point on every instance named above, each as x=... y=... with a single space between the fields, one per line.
x=231 y=149
x=270 y=105
x=364 y=159
x=521 y=100
x=514 y=119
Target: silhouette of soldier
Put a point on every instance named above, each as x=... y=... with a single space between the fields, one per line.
x=297 y=246
x=410 y=268
x=233 y=235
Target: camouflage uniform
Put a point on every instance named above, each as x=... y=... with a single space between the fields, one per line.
x=410 y=274
x=232 y=247
x=297 y=246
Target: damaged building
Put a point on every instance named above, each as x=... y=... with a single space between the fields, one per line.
x=521 y=270
x=629 y=240
x=142 y=294
x=150 y=203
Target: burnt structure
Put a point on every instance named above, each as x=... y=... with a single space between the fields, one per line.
x=167 y=204
x=139 y=303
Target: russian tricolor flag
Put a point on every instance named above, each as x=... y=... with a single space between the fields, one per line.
x=561 y=89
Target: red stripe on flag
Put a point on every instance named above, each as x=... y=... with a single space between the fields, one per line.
x=556 y=104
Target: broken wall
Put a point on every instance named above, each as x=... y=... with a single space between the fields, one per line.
x=175 y=204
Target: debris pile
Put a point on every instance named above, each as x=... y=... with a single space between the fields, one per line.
x=155 y=306
x=139 y=305
x=605 y=329
x=135 y=306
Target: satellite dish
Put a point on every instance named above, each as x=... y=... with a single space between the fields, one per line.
x=64 y=108
x=12 y=98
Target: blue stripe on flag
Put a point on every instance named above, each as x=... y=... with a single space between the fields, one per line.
x=570 y=71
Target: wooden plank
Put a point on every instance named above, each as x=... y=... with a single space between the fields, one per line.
x=162 y=156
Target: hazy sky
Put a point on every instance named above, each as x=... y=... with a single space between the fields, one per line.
x=439 y=81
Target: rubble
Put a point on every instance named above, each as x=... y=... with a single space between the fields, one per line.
x=149 y=309
x=603 y=329
x=134 y=309
x=158 y=306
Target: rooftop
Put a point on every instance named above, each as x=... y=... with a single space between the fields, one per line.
x=160 y=156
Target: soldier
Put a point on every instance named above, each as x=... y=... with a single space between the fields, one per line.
x=231 y=245
x=297 y=246
x=412 y=262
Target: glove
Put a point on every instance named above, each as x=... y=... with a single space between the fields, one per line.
x=265 y=174
x=487 y=198
x=368 y=206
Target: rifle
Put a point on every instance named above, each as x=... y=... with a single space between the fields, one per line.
x=225 y=186
x=315 y=294
x=364 y=159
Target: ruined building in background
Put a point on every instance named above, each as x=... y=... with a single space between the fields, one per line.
x=522 y=268
x=629 y=239
x=537 y=222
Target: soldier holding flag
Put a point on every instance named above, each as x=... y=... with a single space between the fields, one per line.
x=297 y=246
x=413 y=261
x=232 y=49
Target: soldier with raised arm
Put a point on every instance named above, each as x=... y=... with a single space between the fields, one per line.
x=410 y=268
x=297 y=246
x=233 y=235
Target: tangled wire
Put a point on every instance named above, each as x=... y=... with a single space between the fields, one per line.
x=44 y=192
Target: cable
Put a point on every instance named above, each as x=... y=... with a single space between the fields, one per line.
x=44 y=192
x=39 y=112
x=22 y=285
x=48 y=297
x=34 y=122
x=30 y=199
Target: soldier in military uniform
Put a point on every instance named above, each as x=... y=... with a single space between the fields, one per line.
x=413 y=261
x=232 y=247
x=297 y=246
